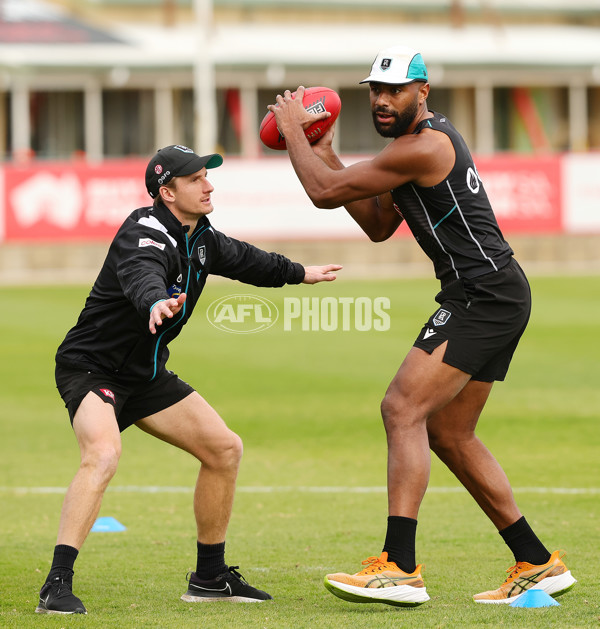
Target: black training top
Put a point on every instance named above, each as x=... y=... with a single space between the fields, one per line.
x=453 y=221
x=152 y=258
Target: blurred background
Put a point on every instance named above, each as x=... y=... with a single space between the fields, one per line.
x=89 y=89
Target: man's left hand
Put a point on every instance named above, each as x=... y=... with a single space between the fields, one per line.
x=316 y=274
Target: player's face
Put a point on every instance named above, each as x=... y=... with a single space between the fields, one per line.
x=192 y=195
x=394 y=107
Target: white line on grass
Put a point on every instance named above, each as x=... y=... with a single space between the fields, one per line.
x=160 y=489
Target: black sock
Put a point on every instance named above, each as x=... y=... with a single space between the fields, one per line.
x=524 y=543
x=63 y=561
x=400 y=542
x=211 y=561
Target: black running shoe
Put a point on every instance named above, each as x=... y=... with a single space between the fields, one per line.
x=56 y=597
x=229 y=586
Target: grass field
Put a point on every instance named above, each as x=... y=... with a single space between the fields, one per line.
x=311 y=495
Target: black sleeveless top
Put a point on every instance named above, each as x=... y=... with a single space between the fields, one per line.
x=453 y=221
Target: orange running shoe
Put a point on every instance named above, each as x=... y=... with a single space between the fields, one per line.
x=552 y=577
x=380 y=582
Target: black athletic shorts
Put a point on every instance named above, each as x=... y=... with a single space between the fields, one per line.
x=131 y=401
x=482 y=319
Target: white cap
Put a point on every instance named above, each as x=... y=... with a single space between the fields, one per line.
x=397 y=65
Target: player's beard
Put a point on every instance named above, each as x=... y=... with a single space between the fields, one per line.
x=402 y=120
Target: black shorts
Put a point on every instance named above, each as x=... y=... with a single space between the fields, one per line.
x=482 y=319
x=131 y=401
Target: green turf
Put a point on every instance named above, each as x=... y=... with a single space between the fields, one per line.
x=306 y=405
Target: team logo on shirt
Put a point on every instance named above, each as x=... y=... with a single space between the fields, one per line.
x=441 y=317
x=473 y=180
x=202 y=254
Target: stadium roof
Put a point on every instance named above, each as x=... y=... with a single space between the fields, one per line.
x=35 y=35
x=476 y=5
x=265 y=44
x=31 y=21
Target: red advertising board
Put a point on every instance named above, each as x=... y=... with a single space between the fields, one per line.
x=73 y=201
x=525 y=192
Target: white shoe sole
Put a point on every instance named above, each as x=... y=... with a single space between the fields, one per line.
x=229 y=599
x=43 y=610
x=399 y=595
x=554 y=586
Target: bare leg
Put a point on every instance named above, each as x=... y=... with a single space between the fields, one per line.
x=422 y=386
x=97 y=433
x=194 y=426
x=452 y=437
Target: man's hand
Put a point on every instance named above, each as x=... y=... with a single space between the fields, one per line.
x=316 y=274
x=167 y=308
x=289 y=112
x=323 y=149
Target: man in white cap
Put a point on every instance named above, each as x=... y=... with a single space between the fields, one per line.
x=426 y=177
x=111 y=368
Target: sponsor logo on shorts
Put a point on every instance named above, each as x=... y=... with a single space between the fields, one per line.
x=441 y=317
x=148 y=242
x=108 y=393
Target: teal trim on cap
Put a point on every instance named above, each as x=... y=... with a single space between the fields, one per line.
x=215 y=161
x=417 y=71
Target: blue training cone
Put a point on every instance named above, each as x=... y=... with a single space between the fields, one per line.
x=534 y=598
x=107 y=525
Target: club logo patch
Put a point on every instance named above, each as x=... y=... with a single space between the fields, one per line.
x=473 y=180
x=108 y=393
x=441 y=317
x=385 y=64
x=202 y=254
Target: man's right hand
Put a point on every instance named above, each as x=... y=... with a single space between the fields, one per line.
x=165 y=309
x=323 y=146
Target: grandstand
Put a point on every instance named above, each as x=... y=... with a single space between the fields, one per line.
x=86 y=81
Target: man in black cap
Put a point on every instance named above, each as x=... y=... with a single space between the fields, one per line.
x=111 y=368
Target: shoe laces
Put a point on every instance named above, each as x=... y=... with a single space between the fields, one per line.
x=513 y=571
x=63 y=587
x=374 y=565
x=234 y=571
x=520 y=565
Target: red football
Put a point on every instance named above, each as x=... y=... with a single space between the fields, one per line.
x=316 y=100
